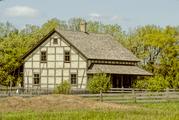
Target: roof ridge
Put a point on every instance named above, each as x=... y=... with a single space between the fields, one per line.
x=58 y=29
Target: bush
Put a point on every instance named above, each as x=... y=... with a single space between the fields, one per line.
x=99 y=82
x=63 y=88
x=176 y=81
x=155 y=83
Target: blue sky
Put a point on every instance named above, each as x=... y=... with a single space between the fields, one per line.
x=127 y=13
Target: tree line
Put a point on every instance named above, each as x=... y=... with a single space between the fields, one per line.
x=157 y=47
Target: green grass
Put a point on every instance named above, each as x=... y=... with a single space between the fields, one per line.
x=146 y=111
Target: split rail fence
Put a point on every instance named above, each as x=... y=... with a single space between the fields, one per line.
x=129 y=95
x=115 y=95
x=30 y=92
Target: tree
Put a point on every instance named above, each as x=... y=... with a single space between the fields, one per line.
x=15 y=43
x=29 y=29
x=155 y=83
x=6 y=29
x=157 y=47
x=93 y=26
x=99 y=83
x=74 y=24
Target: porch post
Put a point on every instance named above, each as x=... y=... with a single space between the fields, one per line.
x=131 y=78
x=117 y=81
x=122 y=84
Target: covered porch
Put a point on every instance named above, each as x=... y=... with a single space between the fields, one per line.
x=121 y=81
x=122 y=76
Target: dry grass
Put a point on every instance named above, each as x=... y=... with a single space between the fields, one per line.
x=55 y=102
x=68 y=107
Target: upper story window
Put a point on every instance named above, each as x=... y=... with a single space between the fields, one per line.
x=67 y=56
x=55 y=40
x=43 y=56
x=36 y=79
x=73 y=79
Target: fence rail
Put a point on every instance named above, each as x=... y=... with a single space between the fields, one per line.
x=120 y=95
x=116 y=95
x=17 y=91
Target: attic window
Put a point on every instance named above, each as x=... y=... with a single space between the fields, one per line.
x=67 y=56
x=55 y=41
x=43 y=56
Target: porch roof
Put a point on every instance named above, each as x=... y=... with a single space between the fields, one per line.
x=118 y=69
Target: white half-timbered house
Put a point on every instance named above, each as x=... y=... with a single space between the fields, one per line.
x=75 y=56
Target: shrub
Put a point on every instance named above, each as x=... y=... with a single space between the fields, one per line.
x=99 y=82
x=63 y=88
x=155 y=83
x=174 y=83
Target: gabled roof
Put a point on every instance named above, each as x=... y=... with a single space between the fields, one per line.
x=118 y=69
x=93 y=46
x=99 y=46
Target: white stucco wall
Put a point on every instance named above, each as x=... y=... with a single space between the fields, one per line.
x=55 y=70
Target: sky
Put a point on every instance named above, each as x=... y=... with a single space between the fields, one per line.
x=127 y=13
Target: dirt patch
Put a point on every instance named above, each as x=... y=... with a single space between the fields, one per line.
x=54 y=102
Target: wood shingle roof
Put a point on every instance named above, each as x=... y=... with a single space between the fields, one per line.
x=98 y=46
x=118 y=69
x=92 y=46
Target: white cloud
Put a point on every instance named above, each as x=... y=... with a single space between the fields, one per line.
x=21 y=11
x=116 y=18
x=109 y=18
x=95 y=16
x=99 y=17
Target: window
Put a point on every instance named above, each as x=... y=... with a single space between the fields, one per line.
x=43 y=56
x=67 y=56
x=55 y=40
x=73 y=79
x=36 y=79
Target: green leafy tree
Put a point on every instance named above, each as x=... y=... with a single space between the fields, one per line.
x=157 y=47
x=14 y=44
x=74 y=24
x=93 y=26
x=99 y=83
x=6 y=29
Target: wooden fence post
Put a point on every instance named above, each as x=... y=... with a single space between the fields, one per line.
x=8 y=89
x=167 y=94
x=134 y=96
x=101 y=96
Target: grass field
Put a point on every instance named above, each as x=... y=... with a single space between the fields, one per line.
x=61 y=107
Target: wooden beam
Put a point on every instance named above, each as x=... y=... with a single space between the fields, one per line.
x=122 y=81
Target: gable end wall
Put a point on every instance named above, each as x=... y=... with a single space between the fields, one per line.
x=55 y=71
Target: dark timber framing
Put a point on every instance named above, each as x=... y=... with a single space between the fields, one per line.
x=56 y=70
x=45 y=38
x=45 y=66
